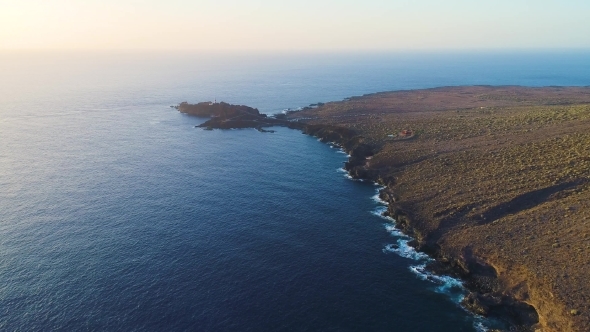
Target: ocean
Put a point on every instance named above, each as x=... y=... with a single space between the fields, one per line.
x=117 y=214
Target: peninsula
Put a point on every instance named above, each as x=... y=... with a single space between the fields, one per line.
x=493 y=182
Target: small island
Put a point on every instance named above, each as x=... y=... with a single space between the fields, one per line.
x=491 y=181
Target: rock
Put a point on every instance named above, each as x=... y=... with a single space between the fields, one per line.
x=474 y=303
x=207 y=109
x=228 y=116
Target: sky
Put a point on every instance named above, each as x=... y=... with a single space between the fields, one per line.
x=291 y=25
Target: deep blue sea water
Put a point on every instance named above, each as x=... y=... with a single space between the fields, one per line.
x=116 y=214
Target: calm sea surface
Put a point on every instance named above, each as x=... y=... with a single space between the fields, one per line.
x=117 y=214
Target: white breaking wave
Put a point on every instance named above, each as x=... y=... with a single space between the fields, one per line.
x=391 y=229
x=342 y=170
x=479 y=327
x=403 y=249
x=376 y=197
x=446 y=285
x=378 y=211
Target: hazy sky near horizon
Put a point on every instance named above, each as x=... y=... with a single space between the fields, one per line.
x=294 y=24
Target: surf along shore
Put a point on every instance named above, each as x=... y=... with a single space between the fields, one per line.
x=493 y=182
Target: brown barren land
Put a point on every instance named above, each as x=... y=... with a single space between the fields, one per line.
x=492 y=181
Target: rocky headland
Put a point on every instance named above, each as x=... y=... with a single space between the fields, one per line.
x=493 y=182
x=227 y=116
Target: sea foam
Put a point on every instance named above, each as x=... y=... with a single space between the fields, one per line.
x=403 y=249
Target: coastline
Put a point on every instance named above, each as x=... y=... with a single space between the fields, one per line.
x=509 y=311
x=481 y=188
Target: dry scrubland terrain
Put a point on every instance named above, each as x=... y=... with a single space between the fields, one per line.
x=495 y=180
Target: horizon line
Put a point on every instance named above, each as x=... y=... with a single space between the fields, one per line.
x=297 y=51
